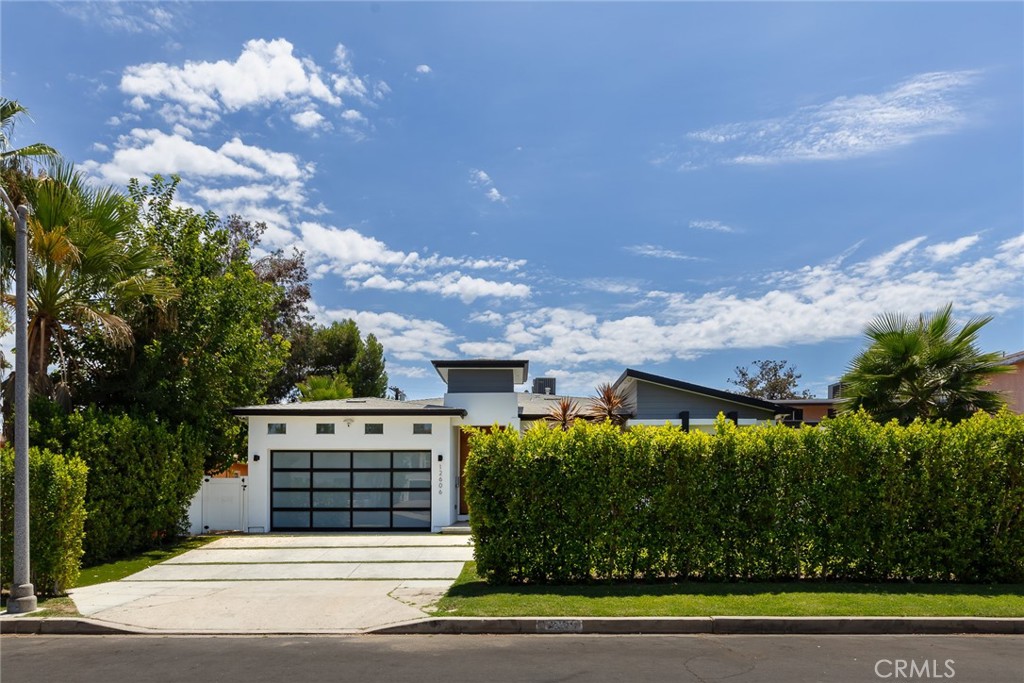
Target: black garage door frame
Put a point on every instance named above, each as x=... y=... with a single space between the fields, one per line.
x=357 y=490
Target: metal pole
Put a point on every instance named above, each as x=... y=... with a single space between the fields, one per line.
x=22 y=598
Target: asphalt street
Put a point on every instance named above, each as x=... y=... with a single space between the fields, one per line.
x=485 y=659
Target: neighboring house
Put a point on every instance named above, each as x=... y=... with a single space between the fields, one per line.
x=1011 y=384
x=379 y=464
x=808 y=411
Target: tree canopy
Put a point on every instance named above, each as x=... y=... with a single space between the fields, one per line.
x=769 y=380
x=922 y=367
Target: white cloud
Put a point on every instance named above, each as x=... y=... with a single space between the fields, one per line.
x=576 y=382
x=487 y=349
x=100 y=147
x=947 y=250
x=470 y=288
x=404 y=338
x=146 y=17
x=182 y=131
x=807 y=305
x=353 y=116
x=481 y=179
x=924 y=105
x=308 y=120
x=423 y=69
x=381 y=282
x=144 y=152
x=714 y=226
x=612 y=285
x=339 y=248
x=265 y=72
x=654 y=251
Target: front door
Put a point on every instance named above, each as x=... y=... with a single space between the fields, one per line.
x=463 y=458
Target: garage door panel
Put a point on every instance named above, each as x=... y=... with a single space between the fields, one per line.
x=416 y=460
x=332 y=499
x=341 y=490
x=291 y=499
x=329 y=459
x=291 y=480
x=331 y=519
x=371 y=460
x=332 y=480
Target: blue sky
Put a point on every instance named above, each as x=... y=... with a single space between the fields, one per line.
x=674 y=187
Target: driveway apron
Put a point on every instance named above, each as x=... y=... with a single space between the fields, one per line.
x=305 y=583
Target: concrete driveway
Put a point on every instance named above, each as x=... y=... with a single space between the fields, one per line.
x=305 y=583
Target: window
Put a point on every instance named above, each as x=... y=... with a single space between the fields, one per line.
x=422 y=428
x=276 y=428
x=373 y=428
x=324 y=427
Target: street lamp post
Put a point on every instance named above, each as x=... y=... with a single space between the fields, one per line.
x=22 y=598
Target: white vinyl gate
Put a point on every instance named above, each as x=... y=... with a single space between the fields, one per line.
x=218 y=506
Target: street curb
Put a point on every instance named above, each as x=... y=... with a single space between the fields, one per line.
x=710 y=625
x=69 y=626
x=579 y=626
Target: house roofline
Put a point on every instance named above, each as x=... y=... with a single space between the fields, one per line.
x=520 y=368
x=630 y=373
x=354 y=412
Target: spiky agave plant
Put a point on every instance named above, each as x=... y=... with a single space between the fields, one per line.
x=609 y=405
x=563 y=413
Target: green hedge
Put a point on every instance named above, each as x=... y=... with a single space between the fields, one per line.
x=56 y=519
x=142 y=477
x=851 y=499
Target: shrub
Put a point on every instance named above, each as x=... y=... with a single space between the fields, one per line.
x=57 y=487
x=142 y=476
x=850 y=499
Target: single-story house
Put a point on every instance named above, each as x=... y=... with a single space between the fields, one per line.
x=373 y=464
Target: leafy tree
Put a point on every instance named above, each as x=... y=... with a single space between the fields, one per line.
x=922 y=368
x=11 y=111
x=328 y=350
x=209 y=352
x=366 y=373
x=324 y=388
x=772 y=380
x=89 y=268
x=609 y=405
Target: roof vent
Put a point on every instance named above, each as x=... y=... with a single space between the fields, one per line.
x=544 y=385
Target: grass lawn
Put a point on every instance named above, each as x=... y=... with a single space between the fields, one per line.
x=112 y=571
x=470 y=596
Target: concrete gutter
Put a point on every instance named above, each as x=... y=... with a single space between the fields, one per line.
x=718 y=625
x=584 y=625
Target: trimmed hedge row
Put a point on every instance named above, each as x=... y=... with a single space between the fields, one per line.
x=56 y=519
x=142 y=477
x=850 y=499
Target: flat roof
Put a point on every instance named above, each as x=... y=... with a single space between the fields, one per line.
x=351 y=406
x=519 y=368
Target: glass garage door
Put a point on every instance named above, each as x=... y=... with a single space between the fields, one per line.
x=350 y=490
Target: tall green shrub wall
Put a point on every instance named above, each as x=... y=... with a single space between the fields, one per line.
x=142 y=476
x=56 y=519
x=850 y=499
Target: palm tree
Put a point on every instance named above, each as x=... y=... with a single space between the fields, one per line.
x=923 y=368
x=10 y=112
x=563 y=413
x=87 y=267
x=609 y=405
x=324 y=388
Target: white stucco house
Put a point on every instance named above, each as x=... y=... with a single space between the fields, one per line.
x=373 y=464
